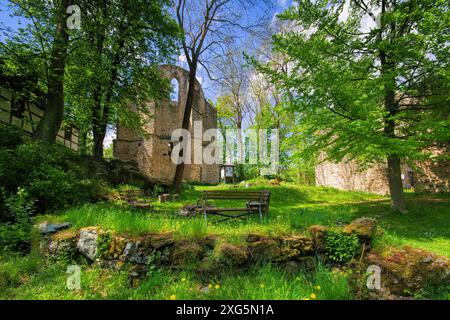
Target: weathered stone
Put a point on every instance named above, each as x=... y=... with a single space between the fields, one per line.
x=87 y=242
x=287 y=254
x=252 y=237
x=364 y=227
x=264 y=250
x=188 y=210
x=302 y=244
x=159 y=241
x=116 y=246
x=318 y=234
x=48 y=228
x=231 y=255
x=138 y=251
x=111 y=264
x=186 y=252
x=62 y=241
x=409 y=270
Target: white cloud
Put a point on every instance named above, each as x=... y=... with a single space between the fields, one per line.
x=282 y=3
x=345 y=12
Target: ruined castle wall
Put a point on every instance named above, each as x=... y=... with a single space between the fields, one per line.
x=433 y=176
x=426 y=176
x=349 y=176
x=151 y=150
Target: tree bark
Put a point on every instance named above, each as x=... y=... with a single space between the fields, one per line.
x=393 y=160
x=395 y=183
x=185 y=125
x=48 y=127
x=82 y=148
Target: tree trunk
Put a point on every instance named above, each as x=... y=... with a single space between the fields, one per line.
x=48 y=127
x=185 y=125
x=82 y=148
x=241 y=150
x=393 y=160
x=99 y=136
x=395 y=183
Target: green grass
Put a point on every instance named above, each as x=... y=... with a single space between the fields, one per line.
x=48 y=281
x=293 y=209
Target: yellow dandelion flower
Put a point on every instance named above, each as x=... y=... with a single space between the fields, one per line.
x=313 y=296
x=173 y=297
x=183 y=279
x=318 y=287
x=210 y=285
x=217 y=286
x=262 y=285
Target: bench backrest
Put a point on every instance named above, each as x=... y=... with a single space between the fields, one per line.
x=131 y=194
x=262 y=196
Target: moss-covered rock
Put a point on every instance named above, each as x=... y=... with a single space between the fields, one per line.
x=87 y=241
x=231 y=255
x=264 y=250
x=116 y=247
x=365 y=228
x=62 y=241
x=409 y=270
x=225 y=257
x=318 y=233
x=187 y=253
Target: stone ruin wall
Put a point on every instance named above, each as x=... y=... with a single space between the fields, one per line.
x=427 y=176
x=348 y=176
x=434 y=176
x=151 y=150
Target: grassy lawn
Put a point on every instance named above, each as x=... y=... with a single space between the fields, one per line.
x=293 y=209
x=48 y=281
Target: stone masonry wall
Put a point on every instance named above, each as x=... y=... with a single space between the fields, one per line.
x=151 y=151
x=348 y=176
x=427 y=176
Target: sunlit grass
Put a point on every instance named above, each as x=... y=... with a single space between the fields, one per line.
x=293 y=209
x=265 y=282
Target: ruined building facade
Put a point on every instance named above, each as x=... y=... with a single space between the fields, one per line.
x=151 y=149
x=427 y=176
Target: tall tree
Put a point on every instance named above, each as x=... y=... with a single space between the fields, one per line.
x=207 y=25
x=121 y=45
x=46 y=27
x=371 y=93
x=233 y=79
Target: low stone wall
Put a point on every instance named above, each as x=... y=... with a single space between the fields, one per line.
x=403 y=271
x=209 y=254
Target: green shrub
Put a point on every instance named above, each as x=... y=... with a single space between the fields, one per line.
x=103 y=241
x=51 y=174
x=340 y=247
x=15 y=232
x=10 y=136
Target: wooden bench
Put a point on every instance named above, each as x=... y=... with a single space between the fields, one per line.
x=136 y=198
x=257 y=202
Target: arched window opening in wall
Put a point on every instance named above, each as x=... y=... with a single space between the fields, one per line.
x=175 y=90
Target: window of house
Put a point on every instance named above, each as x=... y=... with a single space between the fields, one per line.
x=175 y=90
x=68 y=133
x=18 y=108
